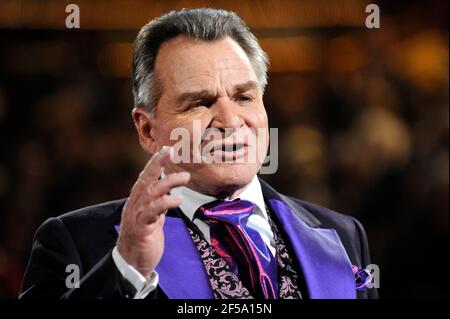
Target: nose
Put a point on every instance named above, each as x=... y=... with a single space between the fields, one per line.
x=226 y=115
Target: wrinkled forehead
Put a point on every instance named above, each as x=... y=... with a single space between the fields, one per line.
x=191 y=64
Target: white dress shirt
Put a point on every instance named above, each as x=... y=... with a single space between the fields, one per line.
x=192 y=200
x=143 y=285
x=252 y=192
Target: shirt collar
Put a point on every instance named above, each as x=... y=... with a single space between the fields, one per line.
x=193 y=199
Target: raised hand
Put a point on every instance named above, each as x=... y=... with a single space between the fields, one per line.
x=141 y=239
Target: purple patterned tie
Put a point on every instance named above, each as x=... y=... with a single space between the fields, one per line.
x=241 y=246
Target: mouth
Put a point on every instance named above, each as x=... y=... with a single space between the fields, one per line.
x=229 y=151
x=233 y=147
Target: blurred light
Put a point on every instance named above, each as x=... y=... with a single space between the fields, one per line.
x=292 y=54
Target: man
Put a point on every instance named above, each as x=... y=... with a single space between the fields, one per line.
x=196 y=228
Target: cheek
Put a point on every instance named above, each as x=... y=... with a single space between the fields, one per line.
x=262 y=118
x=258 y=118
x=260 y=123
x=164 y=129
x=200 y=119
x=192 y=127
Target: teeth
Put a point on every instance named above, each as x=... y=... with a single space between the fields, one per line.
x=232 y=148
x=237 y=147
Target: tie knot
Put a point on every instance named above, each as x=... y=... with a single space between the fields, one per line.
x=234 y=212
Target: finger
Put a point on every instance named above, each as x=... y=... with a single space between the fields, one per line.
x=152 y=171
x=157 y=207
x=165 y=185
x=160 y=187
x=143 y=197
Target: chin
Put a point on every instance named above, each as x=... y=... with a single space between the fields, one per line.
x=223 y=180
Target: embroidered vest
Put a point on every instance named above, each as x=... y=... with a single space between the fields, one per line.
x=224 y=282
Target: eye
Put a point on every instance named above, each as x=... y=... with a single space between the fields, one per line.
x=199 y=104
x=244 y=98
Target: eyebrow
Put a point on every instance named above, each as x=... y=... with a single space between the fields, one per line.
x=205 y=94
x=244 y=87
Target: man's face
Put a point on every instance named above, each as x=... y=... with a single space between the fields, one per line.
x=214 y=84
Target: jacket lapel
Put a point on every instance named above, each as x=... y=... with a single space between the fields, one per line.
x=324 y=262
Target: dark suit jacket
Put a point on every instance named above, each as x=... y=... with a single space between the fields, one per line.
x=325 y=243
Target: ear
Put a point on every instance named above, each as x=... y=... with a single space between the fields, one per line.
x=143 y=121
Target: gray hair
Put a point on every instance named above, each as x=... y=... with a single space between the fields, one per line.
x=204 y=24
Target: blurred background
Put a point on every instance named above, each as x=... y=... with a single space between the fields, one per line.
x=362 y=116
